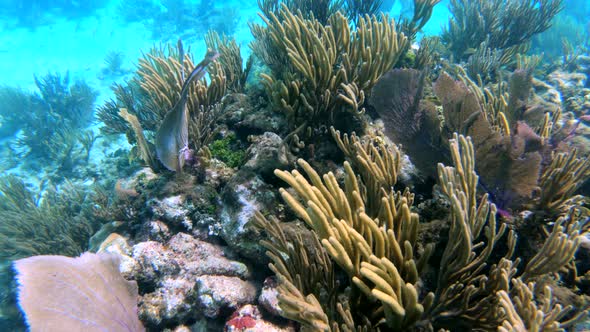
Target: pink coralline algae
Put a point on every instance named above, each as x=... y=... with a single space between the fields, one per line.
x=249 y=319
x=240 y=322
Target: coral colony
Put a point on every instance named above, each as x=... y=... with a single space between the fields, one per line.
x=351 y=175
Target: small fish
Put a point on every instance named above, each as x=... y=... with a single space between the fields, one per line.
x=470 y=51
x=172 y=136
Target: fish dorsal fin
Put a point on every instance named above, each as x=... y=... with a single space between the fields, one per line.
x=181 y=58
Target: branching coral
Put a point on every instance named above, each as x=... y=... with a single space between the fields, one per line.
x=378 y=163
x=422 y=12
x=145 y=151
x=514 y=160
x=508 y=150
x=323 y=9
x=462 y=289
x=15 y=101
x=356 y=9
x=560 y=181
x=230 y=59
x=156 y=88
x=473 y=294
x=302 y=267
x=322 y=72
x=505 y=23
x=51 y=119
x=558 y=249
x=57 y=223
x=127 y=97
x=518 y=171
x=526 y=312
x=376 y=249
x=160 y=78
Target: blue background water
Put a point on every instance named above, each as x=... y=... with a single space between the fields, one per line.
x=58 y=36
x=37 y=37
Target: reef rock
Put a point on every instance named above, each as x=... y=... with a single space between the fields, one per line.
x=567 y=80
x=155 y=263
x=571 y=86
x=269 y=297
x=245 y=194
x=217 y=293
x=267 y=153
x=170 y=302
x=186 y=278
x=172 y=209
x=242 y=116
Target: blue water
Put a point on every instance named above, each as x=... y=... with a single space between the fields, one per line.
x=76 y=43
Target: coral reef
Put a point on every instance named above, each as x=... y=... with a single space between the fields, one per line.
x=59 y=222
x=156 y=91
x=377 y=249
x=320 y=73
x=50 y=121
x=36 y=12
x=320 y=10
x=236 y=74
x=185 y=277
x=113 y=64
x=513 y=133
x=249 y=318
x=504 y=24
x=227 y=149
x=346 y=177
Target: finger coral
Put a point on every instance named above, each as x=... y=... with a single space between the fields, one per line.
x=376 y=248
x=320 y=73
x=479 y=285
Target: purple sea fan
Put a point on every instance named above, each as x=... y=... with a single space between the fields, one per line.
x=87 y=293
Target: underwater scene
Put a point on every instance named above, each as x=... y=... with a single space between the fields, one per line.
x=295 y=165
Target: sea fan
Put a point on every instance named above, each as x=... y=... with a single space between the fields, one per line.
x=86 y=293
